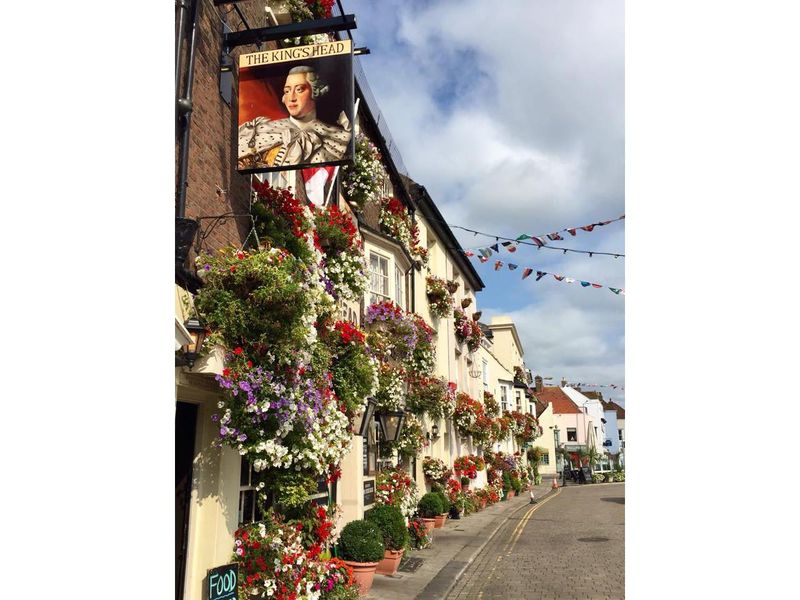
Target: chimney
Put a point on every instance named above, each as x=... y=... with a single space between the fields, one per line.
x=538 y=383
x=563 y=382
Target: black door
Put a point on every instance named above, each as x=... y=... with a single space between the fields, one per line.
x=185 y=426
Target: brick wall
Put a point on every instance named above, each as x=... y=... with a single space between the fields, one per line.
x=212 y=164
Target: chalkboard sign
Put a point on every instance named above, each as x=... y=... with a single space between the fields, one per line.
x=369 y=492
x=587 y=472
x=223 y=583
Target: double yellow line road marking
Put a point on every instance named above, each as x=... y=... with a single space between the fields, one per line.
x=517 y=533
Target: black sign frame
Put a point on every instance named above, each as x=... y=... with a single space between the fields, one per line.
x=223 y=582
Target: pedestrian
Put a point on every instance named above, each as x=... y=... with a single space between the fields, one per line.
x=582 y=476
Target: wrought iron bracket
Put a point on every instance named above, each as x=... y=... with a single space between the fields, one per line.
x=290 y=30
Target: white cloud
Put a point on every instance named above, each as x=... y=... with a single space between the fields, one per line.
x=512 y=116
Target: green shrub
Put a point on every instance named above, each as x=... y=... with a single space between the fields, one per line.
x=445 y=502
x=610 y=477
x=506 y=482
x=390 y=521
x=619 y=476
x=361 y=541
x=598 y=478
x=516 y=484
x=430 y=505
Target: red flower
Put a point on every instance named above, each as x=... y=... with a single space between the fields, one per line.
x=226 y=372
x=249 y=364
x=233 y=268
x=238 y=351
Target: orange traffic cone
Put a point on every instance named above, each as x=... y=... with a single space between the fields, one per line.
x=555 y=483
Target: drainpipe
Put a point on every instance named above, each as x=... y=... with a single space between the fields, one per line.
x=182 y=6
x=184 y=114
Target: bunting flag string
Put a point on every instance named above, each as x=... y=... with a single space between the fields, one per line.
x=608 y=385
x=528 y=271
x=540 y=241
x=511 y=246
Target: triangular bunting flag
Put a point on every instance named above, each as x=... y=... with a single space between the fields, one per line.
x=483 y=259
x=511 y=266
x=540 y=274
x=554 y=236
x=558 y=277
x=622 y=292
x=596 y=285
x=538 y=241
x=524 y=236
x=585 y=283
x=569 y=279
x=468 y=253
x=587 y=227
x=505 y=244
x=484 y=252
x=615 y=290
x=526 y=272
x=495 y=247
x=498 y=264
x=573 y=231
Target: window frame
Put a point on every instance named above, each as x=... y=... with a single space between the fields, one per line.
x=574 y=431
x=387 y=279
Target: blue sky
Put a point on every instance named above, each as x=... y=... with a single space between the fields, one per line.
x=512 y=116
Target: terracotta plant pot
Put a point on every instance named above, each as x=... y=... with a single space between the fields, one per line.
x=430 y=525
x=391 y=560
x=483 y=504
x=363 y=573
x=439 y=520
x=510 y=494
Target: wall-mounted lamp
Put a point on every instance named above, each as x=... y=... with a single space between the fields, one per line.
x=366 y=418
x=391 y=423
x=435 y=431
x=191 y=351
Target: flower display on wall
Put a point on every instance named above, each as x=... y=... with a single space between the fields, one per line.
x=467 y=330
x=412 y=438
x=490 y=405
x=432 y=396
x=274 y=561
x=468 y=466
x=345 y=266
x=466 y=413
x=294 y=376
x=525 y=428
x=435 y=470
x=397 y=488
x=363 y=180
x=397 y=222
x=440 y=300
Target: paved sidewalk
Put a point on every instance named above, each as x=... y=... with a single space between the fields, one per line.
x=454 y=546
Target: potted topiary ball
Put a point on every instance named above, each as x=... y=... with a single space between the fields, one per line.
x=361 y=547
x=442 y=516
x=429 y=507
x=392 y=525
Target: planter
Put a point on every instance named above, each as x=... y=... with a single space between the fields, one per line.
x=430 y=525
x=363 y=573
x=454 y=514
x=391 y=560
x=439 y=520
x=510 y=494
x=483 y=504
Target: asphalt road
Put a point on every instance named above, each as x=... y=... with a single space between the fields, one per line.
x=572 y=545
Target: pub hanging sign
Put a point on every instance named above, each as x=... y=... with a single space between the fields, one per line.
x=296 y=107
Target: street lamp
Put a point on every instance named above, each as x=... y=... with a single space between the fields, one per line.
x=557 y=439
